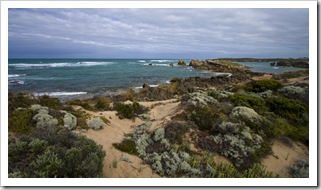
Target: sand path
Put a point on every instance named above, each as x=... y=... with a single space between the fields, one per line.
x=114 y=164
x=284 y=157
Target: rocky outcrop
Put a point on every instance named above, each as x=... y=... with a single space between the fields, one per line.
x=181 y=63
x=197 y=63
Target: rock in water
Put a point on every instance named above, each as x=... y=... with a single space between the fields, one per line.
x=181 y=62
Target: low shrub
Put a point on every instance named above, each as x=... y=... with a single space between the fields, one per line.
x=103 y=103
x=300 y=169
x=291 y=74
x=20 y=100
x=126 y=145
x=83 y=104
x=293 y=110
x=281 y=128
x=251 y=101
x=129 y=111
x=175 y=131
x=21 y=121
x=105 y=120
x=263 y=85
x=50 y=152
x=256 y=171
x=50 y=102
x=204 y=117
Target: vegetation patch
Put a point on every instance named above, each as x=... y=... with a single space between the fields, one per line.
x=50 y=102
x=21 y=121
x=175 y=131
x=129 y=111
x=251 y=101
x=50 y=152
x=263 y=85
x=293 y=110
x=291 y=74
x=102 y=103
x=126 y=145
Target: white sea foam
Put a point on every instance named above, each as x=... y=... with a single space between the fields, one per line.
x=16 y=75
x=65 y=64
x=142 y=61
x=17 y=82
x=161 y=61
x=59 y=93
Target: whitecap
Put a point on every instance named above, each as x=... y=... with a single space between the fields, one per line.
x=65 y=64
x=59 y=93
x=16 y=75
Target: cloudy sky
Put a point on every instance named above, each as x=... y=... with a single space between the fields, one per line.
x=158 y=33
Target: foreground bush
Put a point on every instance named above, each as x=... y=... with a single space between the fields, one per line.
x=129 y=111
x=293 y=110
x=263 y=85
x=251 y=101
x=54 y=152
x=21 y=121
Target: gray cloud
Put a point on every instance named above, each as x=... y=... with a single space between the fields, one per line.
x=149 y=33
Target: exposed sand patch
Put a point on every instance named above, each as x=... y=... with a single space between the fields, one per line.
x=114 y=166
x=284 y=157
x=265 y=76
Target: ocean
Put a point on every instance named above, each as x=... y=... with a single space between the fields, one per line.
x=57 y=77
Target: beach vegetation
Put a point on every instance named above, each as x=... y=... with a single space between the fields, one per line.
x=54 y=152
x=296 y=112
x=49 y=102
x=21 y=121
x=203 y=117
x=291 y=74
x=255 y=102
x=83 y=104
x=20 y=100
x=105 y=120
x=103 y=103
x=129 y=111
x=127 y=145
x=175 y=131
x=263 y=85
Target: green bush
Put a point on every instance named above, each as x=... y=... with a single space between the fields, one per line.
x=129 y=111
x=293 y=110
x=247 y=100
x=291 y=74
x=49 y=102
x=175 y=131
x=282 y=128
x=50 y=152
x=256 y=171
x=263 y=85
x=20 y=100
x=126 y=145
x=85 y=105
x=203 y=117
x=21 y=121
x=103 y=103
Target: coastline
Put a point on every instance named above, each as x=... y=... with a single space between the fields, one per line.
x=187 y=102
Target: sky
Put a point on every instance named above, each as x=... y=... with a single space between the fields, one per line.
x=158 y=33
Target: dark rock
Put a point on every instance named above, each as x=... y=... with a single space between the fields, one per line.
x=181 y=62
x=145 y=85
x=171 y=65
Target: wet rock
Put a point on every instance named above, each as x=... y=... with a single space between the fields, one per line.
x=181 y=62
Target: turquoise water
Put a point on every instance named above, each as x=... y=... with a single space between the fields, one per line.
x=72 y=76
x=79 y=76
